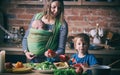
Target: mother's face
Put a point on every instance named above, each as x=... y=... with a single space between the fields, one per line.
x=55 y=8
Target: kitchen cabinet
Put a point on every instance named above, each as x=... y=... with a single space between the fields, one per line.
x=14 y=54
x=72 y=2
x=75 y=2
x=101 y=2
x=41 y=2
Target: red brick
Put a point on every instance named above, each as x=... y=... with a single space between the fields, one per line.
x=24 y=16
x=75 y=18
x=16 y=10
x=78 y=17
x=33 y=11
x=14 y=21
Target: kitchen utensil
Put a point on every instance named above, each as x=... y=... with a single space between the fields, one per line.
x=2 y=61
x=114 y=63
x=101 y=70
x=6 y=31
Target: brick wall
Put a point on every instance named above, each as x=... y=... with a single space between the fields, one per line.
x=78 y=17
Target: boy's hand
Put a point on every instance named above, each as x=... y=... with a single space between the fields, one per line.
x=78 y=68
x=85 y=67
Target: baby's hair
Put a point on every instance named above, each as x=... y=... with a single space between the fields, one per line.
x=84 y=36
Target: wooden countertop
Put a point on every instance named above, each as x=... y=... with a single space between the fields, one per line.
x=24 y=74
x=18 y=51
x=113 y=72
x=102 y=51
x=13 y=50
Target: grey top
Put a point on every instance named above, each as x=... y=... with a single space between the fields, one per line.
x=62 y=37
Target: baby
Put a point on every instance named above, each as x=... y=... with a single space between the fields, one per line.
x=38 y=37
x=38 y=24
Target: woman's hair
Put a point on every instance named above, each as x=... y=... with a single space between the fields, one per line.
x=47 y=9
x=84 y=36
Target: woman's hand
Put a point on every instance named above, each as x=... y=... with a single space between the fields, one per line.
x=50 y=53
x=64 y=57
x=29 y=55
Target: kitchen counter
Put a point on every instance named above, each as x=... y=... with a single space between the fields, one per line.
x=106 y=56
x=18 y=51
x=32 y=73
x=113 y=72
x=13 y=50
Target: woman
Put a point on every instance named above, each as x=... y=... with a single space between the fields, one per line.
x=53 y=18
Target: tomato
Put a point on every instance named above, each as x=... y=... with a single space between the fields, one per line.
x=73 y=60
x=79 y=70
x=19 y=65
x=64 y=58
x=51 y=53
x=78 y=67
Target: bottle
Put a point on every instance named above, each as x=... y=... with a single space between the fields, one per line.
x=2 y=61
x=109 y=0
x=6 y=38
x=22 y=32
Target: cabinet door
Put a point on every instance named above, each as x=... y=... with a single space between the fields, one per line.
x=72 y=2
x=41 y=2
x=101 y=2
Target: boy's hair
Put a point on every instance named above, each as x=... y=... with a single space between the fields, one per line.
x=84 y=36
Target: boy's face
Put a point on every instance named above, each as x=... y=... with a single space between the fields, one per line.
x=81 y=45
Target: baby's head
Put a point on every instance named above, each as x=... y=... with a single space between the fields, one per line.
x=38 y=24
x=82 y=42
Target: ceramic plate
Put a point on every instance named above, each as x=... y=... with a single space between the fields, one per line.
x=46 y=71
x=21 y=70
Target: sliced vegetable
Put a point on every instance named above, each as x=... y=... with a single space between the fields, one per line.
x=45 y=66
x=51 y=53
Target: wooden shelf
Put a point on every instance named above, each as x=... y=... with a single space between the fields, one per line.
x=72 y=2
x=42 y=2
x=30 y=3
x=102 y=3
x=79 y=2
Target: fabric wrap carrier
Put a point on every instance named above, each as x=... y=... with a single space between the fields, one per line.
x=41 y=40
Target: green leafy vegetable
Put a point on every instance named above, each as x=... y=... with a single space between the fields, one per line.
x=68 y=71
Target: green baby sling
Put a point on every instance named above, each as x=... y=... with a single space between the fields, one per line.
x=41 y=40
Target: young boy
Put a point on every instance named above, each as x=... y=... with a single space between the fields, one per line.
x=82 y=57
